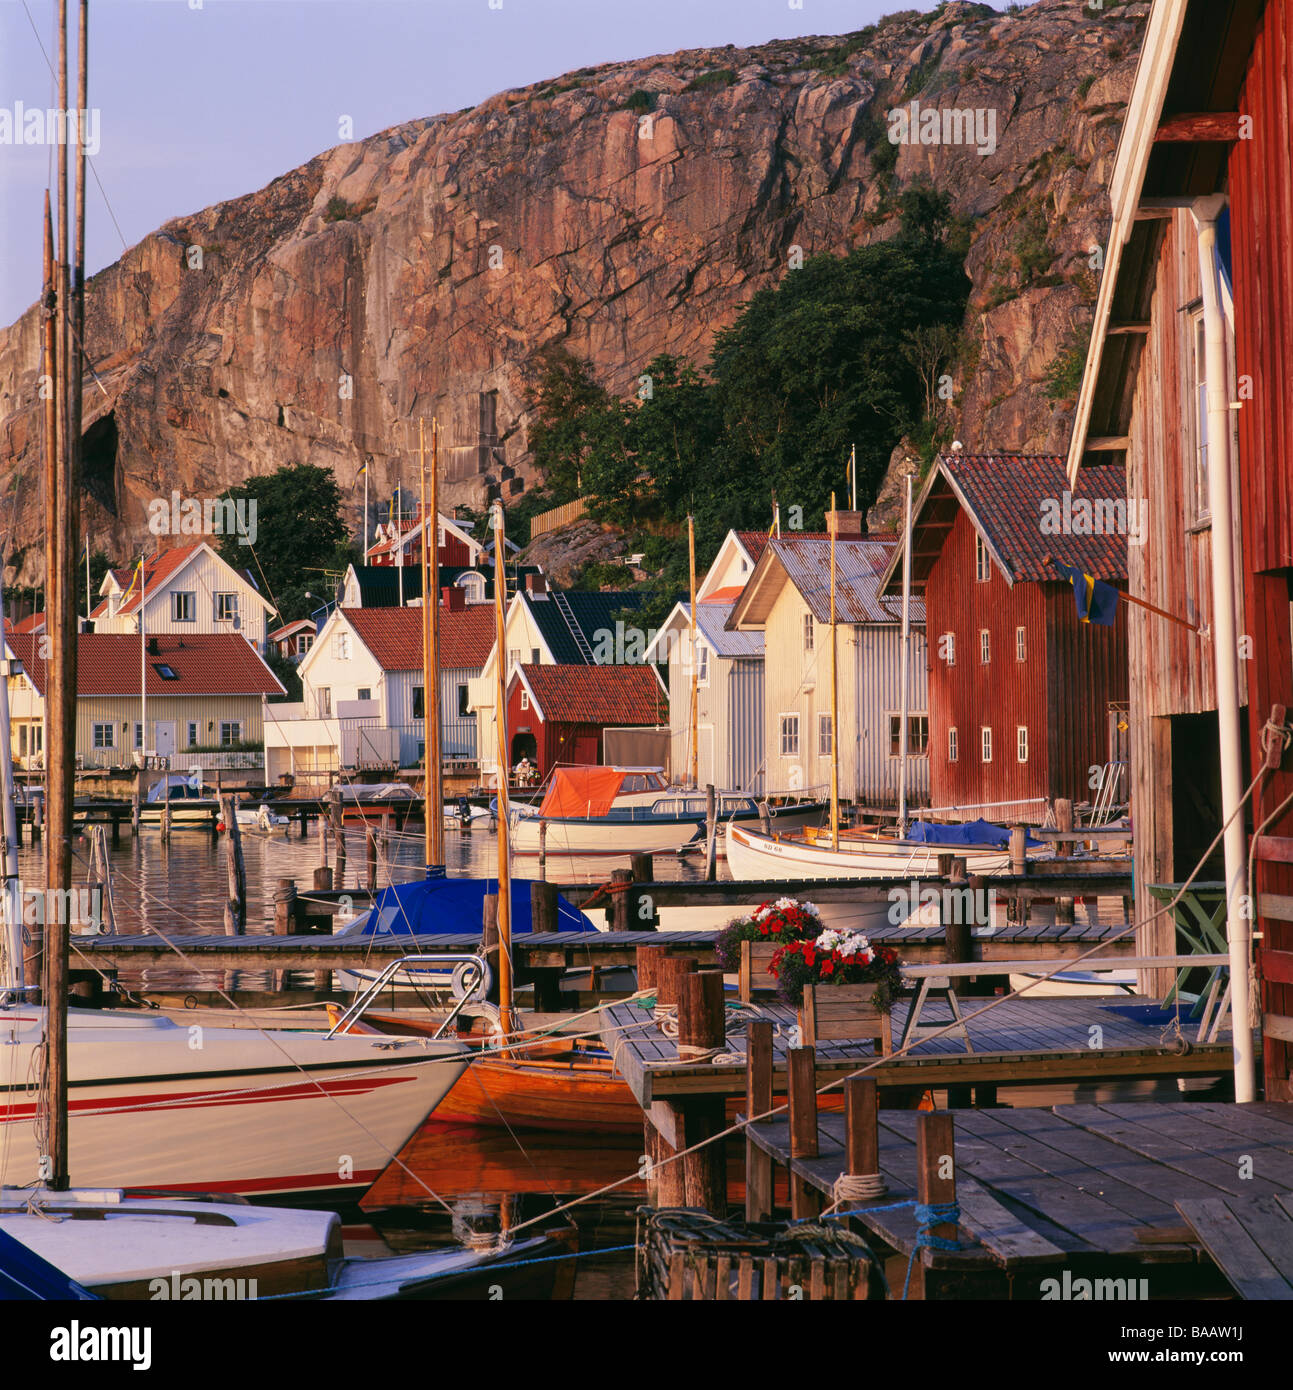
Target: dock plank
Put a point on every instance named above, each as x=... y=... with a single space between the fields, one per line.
x=1250 y=1240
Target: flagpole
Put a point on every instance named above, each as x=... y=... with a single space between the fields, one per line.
x=835 y=696
x=1141 y=603
x=905 y=663
x=143 y=670
x=853 y=476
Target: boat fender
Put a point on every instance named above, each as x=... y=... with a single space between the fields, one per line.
x=467 y=982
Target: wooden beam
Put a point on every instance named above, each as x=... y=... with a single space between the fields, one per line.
x=1106 y=444
x=1199 y=126
x=1116 y=328
x=1277 y=966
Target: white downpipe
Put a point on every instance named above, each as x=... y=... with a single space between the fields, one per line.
x=905 y=661
x=1225 y=649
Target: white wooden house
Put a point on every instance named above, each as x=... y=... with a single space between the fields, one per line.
x=184 y=589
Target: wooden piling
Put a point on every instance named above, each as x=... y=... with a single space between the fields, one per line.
x=37 y=821
x=642 y=913
x=700 y=1013
x=621 y=879
x=323 y=878
x=758 y=1101
x=765 y=818
x=166 y=817
x=1064 y=850
x=669 y=972
x=235 y=908
x=711 y=833
x=805 y=1200
x=135 y=802
x=543 y=848
x=338 y=835
x=935 y=1175
x=285 y=919
x=543 y=920
x=861 y=1125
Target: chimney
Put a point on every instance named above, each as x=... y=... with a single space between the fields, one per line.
x=452 y=598
x=844 y=525
x=536 y=585
x=153 y=648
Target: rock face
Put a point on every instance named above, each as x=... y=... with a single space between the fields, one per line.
x=620 y=211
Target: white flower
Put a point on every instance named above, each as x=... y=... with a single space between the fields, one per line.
x=783 y=903
x=811 y=908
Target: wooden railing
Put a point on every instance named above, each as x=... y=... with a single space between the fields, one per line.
x=558 y=517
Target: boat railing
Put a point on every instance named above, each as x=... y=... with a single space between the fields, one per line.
x=467 y=985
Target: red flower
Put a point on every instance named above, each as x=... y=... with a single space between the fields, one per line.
x=828 y=968
x=776 y=926
x=809 y=954
x=763 y=928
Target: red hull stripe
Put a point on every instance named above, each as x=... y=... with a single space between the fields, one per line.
x=196 y=1100
x=296 y=1182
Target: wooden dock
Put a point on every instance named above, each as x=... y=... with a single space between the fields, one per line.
x=1026 y=1041
x=1073 y=1202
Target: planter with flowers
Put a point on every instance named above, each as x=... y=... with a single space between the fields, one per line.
x=843 y=986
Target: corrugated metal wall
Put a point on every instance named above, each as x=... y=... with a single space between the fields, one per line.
x=745 y=724
x=878 y=676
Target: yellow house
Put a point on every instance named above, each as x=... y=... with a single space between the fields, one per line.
x=204 y=693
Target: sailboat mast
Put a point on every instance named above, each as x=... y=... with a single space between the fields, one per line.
x=504 y=823
x=53 y=442
x=13 y=976
x=835 y=696
x=905 y=662
x=433 y=800
x=695 y=659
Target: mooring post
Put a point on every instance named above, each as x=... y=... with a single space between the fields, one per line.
x=235 y=908
x=758 y=1101
x=861 y=1126
x=370 y=852
x=701 y=1031
x=621 y=891
x=116 y=828
x=285 y=919
x=669 y=971
x=489 y=938
x=543 y=921
x=37 y=820
x=935 y=1176
x=135 y=801
x=1064 y=850
x=323 y=878
x=338 y=835
x=805 y=1200
x=765 y=818
x=642 y=912
x=543 y=848
x=711 y=834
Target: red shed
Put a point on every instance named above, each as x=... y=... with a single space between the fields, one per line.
x=556 y=714
x=455 y=545
x=1023 y=695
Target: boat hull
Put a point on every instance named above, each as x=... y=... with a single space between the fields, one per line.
x=754 y=856
x=156 y=1106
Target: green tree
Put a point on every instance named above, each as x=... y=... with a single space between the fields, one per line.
x=299 y=536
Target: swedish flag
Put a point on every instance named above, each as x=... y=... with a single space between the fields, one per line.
x=1097 y=602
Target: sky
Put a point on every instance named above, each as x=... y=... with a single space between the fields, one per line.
x=203 y=100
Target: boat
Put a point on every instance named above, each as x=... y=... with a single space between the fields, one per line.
x=250 y=1111
x=588 y=812
x=985 y=848
x=260 y=820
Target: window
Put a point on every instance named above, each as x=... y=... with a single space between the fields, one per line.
x=985 y=745
x=1021 y=644
x=464 y=702
x=304 y=642
x=139 y=736
x=982 y=561
x=536 y=658
x=789 y=735
x=985 y=647
x=525 y=698
x=513 y=658
x=702 y=664
x=418 y=702
x=184 y=607
x=164 y=670
x=474 y=587
x=363 y=693
x=22 y=740
x=341 y=644
x=226 y=607
x=193 y=734
x=808 y=632
x=947 y=646
x=105 y=735
x=953 y=746
x=1021 y=743
x=1200 y=374
x=230 y=732
x=824 y=735
x=917 y=735
x=325 y=702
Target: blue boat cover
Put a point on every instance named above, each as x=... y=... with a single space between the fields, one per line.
x=434 y=905
x=980 y=833
x=26 y=1277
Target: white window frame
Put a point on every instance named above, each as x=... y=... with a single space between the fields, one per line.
x=341 y=644
x=951 y=647
x=702 y=663
x=193 y=733
x=985 y=647
x=226 y=607
x=810 y=635
x=895 y=733
x=323 y=697
x=226 y=738
x=1021 y=743
x=1021 y=644
x=364 y=693
x=985 y=744
x=825 y=736
x=525 y=698
x=953 y=745
x=982 y=560
x=304 y=641
x=139 y=736
x=184 y=606
x=788 y=734
x=1199 y=501
x=104 y=735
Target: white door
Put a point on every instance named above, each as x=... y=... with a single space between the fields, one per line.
x=165 y=731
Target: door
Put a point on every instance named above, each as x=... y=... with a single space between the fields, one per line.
x=165 y=733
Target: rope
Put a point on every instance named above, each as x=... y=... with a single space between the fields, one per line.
x=927 y=1217
x=856 y=1187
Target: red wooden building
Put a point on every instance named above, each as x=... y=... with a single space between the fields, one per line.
x=455 y=545
x=1023 y=695
x=1202 y=196
x=557 y=714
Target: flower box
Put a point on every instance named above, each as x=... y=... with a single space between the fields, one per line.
x=838 y=1013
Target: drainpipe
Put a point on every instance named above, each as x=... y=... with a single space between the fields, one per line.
x=1225 y=649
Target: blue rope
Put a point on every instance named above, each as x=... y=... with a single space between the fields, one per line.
x=927 y=1217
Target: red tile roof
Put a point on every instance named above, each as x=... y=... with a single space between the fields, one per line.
x=753 y=541
x=394 y=636
x=602 y=695
x=32 y=623
x=288 y=628
x=107 y=663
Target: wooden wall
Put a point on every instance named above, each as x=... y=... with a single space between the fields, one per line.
x=1261 y=189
